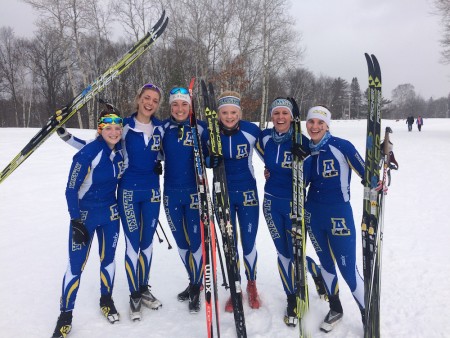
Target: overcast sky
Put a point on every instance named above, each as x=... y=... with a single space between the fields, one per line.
x=403 y=34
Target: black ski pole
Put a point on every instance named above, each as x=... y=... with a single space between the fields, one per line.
x=169 y=246
x=224 y=277
x=159 y=238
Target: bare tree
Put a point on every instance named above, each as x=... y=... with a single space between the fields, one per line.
x=299 y=83
x=443 y=9
x=277 y=53
x=323 y=90
x=403 y=97
x=55 y=15
x=44 y=54
x=11 y=66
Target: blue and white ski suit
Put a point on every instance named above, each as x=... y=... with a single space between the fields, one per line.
x=277 y=158
x=91 y=197
x=139 y=199
x=237 y=150
x=329 y=215
x=180 y=192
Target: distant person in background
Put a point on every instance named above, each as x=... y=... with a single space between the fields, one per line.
x=419 y=122
x=410 y=122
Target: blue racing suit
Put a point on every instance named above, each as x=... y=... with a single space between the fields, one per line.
x=138 y=197
x=237 y=150
x=91 y=197
x=139 y=200
x=180 y=192
x=277 y=158
x=329 y=215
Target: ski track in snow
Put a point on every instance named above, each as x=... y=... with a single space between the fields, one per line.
x=415 y=273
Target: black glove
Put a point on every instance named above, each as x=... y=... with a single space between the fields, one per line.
x=61 y=130
x=300 y=151
x=213 y=161
x=158 y=168
x=80 y=234
x=63 y=133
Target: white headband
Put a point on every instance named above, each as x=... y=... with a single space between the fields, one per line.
x=321 y=113
x=179 y=96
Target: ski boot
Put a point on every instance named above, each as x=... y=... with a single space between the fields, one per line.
x=135 y=306
x=63 y=325
x=333 y=316
x=148 y=299
x=290 y=318
x=108 y=309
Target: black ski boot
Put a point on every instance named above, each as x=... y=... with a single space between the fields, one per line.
x=333 y=316
x=290 y=318
x=184 y=295
x=109 y=309
x=194 y=299
x=63 y=325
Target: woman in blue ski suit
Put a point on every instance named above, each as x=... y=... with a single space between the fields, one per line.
x=328 y=214
x=180 y=190
x=238 y=139
x=275 y=148
x=92 y=205
x=138 y=194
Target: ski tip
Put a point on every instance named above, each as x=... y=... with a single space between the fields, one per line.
x=191 y=84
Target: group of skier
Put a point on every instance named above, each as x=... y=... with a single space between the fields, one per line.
x=126 y=155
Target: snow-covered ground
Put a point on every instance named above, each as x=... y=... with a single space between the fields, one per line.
x=34 y=226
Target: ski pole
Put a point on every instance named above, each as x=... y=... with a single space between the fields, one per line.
x=159 y=238
x=165 y=236
x=224 y=277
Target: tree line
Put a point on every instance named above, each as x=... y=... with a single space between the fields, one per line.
x=249 y=46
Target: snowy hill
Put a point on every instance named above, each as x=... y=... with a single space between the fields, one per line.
x=415 y=276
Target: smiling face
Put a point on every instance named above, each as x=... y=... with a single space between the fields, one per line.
x=281 y=118
x=112 y=134
x=148 y=104
x=316 y=129
x=229 y=116
x=179 y=109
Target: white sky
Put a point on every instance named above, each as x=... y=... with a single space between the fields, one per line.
x=403 y=34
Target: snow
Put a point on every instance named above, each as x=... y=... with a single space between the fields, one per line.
x=415 y=274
